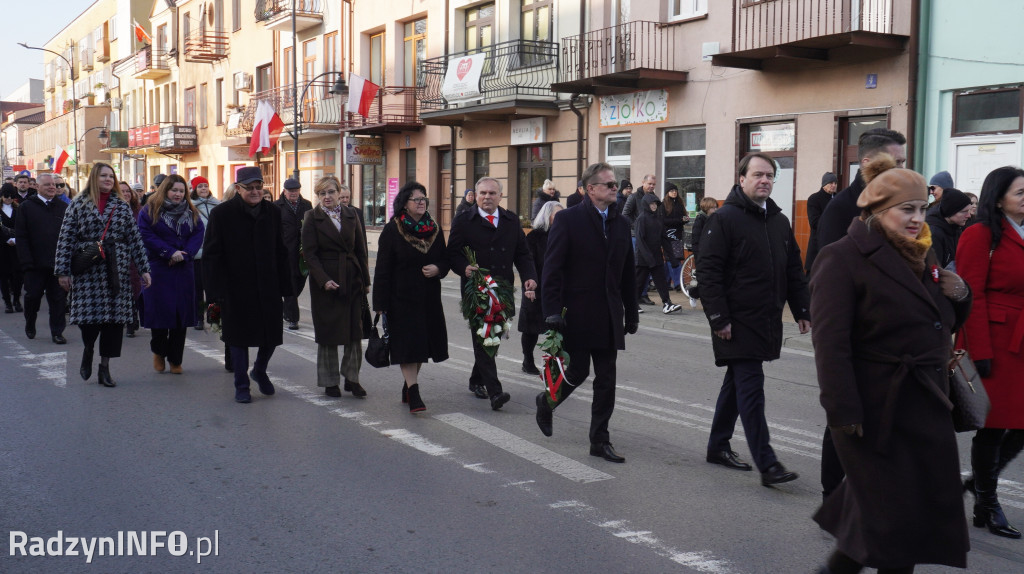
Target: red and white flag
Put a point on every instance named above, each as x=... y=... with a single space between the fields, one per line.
x=60 y=155
x=360 y=95
x=140 y=33
x=267 y=126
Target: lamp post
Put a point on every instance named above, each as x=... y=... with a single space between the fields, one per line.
x=338 y=88
x=103 y=136
x=74 y=99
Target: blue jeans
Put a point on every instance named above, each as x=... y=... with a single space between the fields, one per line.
x=674 y=275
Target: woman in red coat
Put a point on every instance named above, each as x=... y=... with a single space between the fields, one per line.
x=990 y=257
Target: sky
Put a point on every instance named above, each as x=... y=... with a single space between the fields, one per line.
x=34 y=23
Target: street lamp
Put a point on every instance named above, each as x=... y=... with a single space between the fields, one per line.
x=74 y=98
x=337 y=89
x=103 y=137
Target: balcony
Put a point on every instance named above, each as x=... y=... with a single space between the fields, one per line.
x=787 y=33
x=277 y=14
x=320 y=112
x=625 y=58
x=515 y=81
x=164 y=138
x=206 y=46
x=147 y=64
x=395 y=109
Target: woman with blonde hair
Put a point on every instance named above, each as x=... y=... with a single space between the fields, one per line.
x=531 y=316
x=173 y=234
x=102 y=302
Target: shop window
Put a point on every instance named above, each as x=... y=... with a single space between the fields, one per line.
x=375 y=196
x=313 y=164
x=986 y=112
x=481 y=166
x=534 y=168
x=684 y=156
x=617 y=154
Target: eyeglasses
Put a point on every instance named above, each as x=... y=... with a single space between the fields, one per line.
x=608 y=184
x=759 y=174
x=419 y=200
x=61 y=185
x=254 y=186
x=326 y=192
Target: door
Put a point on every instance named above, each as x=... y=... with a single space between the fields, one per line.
x=976 y=157
x=782 y=193
x=850 y=130
x=444 y=188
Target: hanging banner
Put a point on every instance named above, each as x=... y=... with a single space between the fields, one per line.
x=636 y=108
x=462 y=79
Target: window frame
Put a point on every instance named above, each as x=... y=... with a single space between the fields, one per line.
x=408 y=54
x=619 y=161
x=957 y=95
x=680 y=10
x=478 y=25
x=377 y=65
x=666 y=154
x=202 y=104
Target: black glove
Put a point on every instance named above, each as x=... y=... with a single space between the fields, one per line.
x=555 y=322
x=631 y=328
x=984 y=367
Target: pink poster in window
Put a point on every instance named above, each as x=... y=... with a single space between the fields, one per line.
x=392 y=193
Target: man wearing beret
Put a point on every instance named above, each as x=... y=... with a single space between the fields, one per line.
x=245 y=265
x=954 y=209
x=293 y=207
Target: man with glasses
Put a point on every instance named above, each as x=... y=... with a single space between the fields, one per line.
x=598 y=292
x=245 y=266
x=293 y=208
x=497 y=238
x=749 y=269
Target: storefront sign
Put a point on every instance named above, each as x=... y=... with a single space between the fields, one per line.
x=636 y=108
x=773 y=137
x=364 y=151
x=392 y=194
x=462 y=79
x=179 y=137
x=529 y=131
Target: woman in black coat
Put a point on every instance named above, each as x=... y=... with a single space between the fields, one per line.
x=468 y=202
x=652 y=246
x=407 y=288
x=531 y=316
x=10 y=269
x=675 y=218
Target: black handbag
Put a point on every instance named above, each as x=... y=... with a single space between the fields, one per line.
x=678 y=249
x=378 y=348
x=86 y=256
x=967 y=393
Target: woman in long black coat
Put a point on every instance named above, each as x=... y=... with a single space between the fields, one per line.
x=10 y=269
x=883 y=312
x=531 y=316
x=407 y=288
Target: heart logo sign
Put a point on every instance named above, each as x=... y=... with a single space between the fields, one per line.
x=464 y=66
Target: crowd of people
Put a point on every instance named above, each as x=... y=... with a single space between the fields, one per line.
x=898 y=273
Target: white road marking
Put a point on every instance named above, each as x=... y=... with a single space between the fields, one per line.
x=556 y=463
x=52 y=367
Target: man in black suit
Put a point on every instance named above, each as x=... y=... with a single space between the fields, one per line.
x=497 y=238
x=816 y=205
x=598 y=292
x=36 y=230
x=293 y=207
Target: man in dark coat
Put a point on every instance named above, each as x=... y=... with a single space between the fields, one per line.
x=631 y=211
x=832 y=226
x=576 y=197
x=749 y=269
x=946 y=224
x=816 y=205
x=497 y=238
x=246 y=266
x=25 y=189
x=598 y=293
x=293 y=208
x=36 y=231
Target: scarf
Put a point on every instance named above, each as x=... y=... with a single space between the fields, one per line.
x=335 y=215
x=420 y=234
x=177 y=216
x=912 y=250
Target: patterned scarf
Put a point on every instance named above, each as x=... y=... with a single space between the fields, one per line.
x=177 y=216
x=335 y=215
x=420 y=234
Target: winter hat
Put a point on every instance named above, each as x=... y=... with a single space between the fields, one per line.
x=953 y=200
x=159 y=179
x=942 y=179
x=466 y=194
x=197 y=180
x=8 y=190
x=249 y=174
x=292 y=183
x=137 y=186
x=828 y=178
x=624 y=184
x=888 y=185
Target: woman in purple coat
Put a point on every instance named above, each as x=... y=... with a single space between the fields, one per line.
x=172 y=233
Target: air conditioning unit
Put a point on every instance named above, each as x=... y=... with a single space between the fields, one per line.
x=243 y=82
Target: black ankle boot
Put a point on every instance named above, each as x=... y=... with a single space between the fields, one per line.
x=405 y=392
x=415 y=402
x=104 y=376
x=86 y=368
x=987 y=510
x=17 y=306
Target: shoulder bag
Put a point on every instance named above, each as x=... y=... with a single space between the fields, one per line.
x=378 y=348
x=84 y=257
x=966 y=391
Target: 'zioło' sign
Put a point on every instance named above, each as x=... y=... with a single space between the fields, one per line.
x=636 y=108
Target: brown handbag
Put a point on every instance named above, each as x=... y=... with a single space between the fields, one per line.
x=966 y=391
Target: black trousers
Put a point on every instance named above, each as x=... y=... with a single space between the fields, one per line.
x=240 y=363
x=38 y=282
x=604 y=387
x=169 y=343
x=11 y=282
x=200 y=293
x=742 y=396
x=110 y=335
x=657 y=273
x=529 y=342
x=485 y=371
x=291 y=303
x=832 y=473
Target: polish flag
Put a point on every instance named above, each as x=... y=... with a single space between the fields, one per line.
x=360 y=95
x=267 y=126
x=59 y=157
x=140 y=33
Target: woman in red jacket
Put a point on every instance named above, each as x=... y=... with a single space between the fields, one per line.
x=990 y=257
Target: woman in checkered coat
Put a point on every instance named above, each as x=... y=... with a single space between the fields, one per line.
x=102 y=295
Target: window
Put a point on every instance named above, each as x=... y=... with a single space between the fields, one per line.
x=161 y=38
x=409 y=160
x=375 y=195
x=481 y=165
x=112 y=27
x=617 y=154
x=480 y=26
x=190 y=107
x=264 y=77
x=289 y=67
x=309 y=53
x=186 y=25
x=536 y=20
x=415 y=50
x=684 y=156
x=313 y=165
x=331 y=63
x=534 y=168
x=377 y=59
x=219 y=98
x=991 y=111
x=202 y=106
x=683 y=9
x=236 y=15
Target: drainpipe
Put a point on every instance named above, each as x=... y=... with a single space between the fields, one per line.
x=918 y=87
x=451 y=129
x=579 y=136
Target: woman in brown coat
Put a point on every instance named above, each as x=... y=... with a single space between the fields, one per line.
x=883 y=314
x=335 y=252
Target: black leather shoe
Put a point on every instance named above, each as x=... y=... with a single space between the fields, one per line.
x=646 y=301
x=530 y=369
x=293 y=325
x=544 y=414
x=86 y=369
x=263 y=381
x=728 y=459
x=59 y=340
x=479 y=391
x=777 y=474
x=333 y=391
x=499 y=400
x=30 y=332
x=605 y=451
x=356 y=389
x=243 y=396
x=17 y=307
x=8 y=309
x=104 y=377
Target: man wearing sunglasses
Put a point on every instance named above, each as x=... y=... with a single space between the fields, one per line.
x=245 y=266
x=62 y=189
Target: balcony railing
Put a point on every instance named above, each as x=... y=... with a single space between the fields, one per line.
x=631 y=56
x=394 y=109
x=762 y=24
x=519 y=69
x=320 y=109
x=276 y=14
x=206 y=45
x=147 y=63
